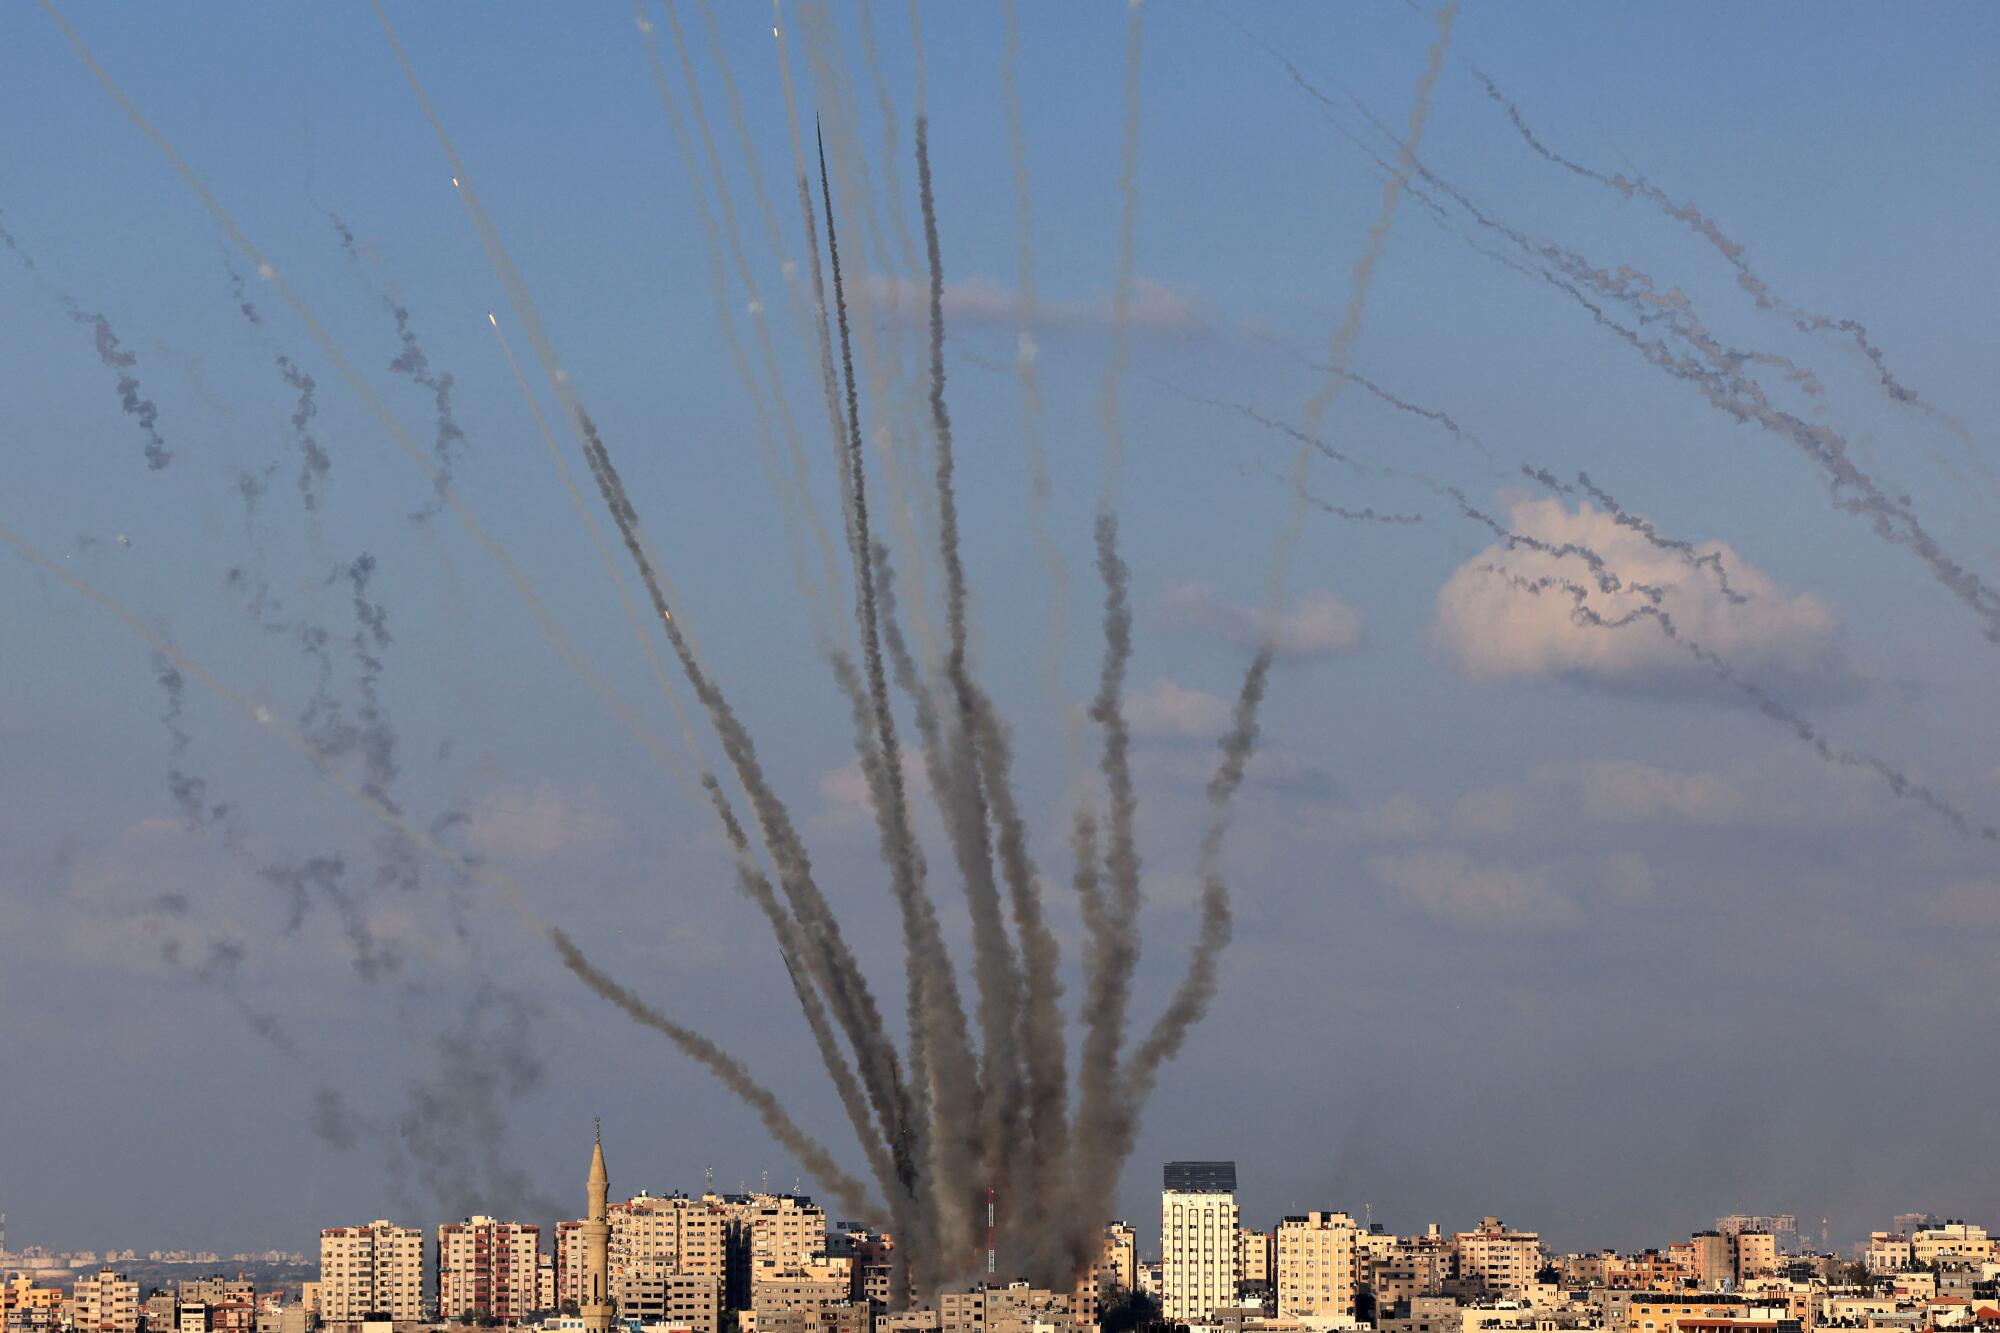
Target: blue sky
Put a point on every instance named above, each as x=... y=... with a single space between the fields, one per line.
x=1554 y=928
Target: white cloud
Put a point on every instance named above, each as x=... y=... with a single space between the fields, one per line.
x=1166 y=710
x=1451 y=889
x=1322 y=625
x=1393 y=819
x=1155 y=307
x=1497 y=630
x=1604 y=791
x=531 y=824
x=848 y=800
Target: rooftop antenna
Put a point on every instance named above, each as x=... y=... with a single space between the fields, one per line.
x=989 y=1235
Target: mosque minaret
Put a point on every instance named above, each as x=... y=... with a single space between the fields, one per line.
x=596 y=1305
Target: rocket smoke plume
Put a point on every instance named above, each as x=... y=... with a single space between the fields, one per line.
x=448 y=441
x=120 y=361
x=1721 y=374
x=314 y=461
x=1732 y=252
x=115 y=358
x=965 y=1106
x=1045 y=1060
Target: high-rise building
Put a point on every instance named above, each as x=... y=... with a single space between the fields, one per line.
x=1316 y=1265
x=768 y=1234
x=487 y=1269
x=1198 y=1236
x=373 y=1270
x=1496 y=1260
x=1256 y=1260
x=104 y=1302
x=1755 y=1254
x=1117 y=1264
x=1714 y=1260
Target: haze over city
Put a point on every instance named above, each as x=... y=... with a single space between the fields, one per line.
x=1397 y=598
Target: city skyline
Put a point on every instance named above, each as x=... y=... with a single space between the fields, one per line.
x=1547 y=772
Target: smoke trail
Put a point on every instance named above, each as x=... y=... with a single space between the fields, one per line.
x=1650 y=608
x=797 y=507
x=1718 y=374
x=1112 y=950
x=120 y=362
x=14 y=246
x=1046 y=1061
x=1899 y=783
x=452 y=1123
x=1434 y=415
x=1121 y=298
x=958 y=1133
x=1732 y=252
x=314 y=461
x=899 y=843
x=448 y=442
x=189 y=792
x=898 y=439
x=847 y=1191
x=1197 y=988
x=559 y=641
x=847 y=991
x=1710 y=561
x=114 y=357
x=1040 y=489
x=850 y=1193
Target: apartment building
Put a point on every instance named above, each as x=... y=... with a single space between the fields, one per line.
x=104 y=1302
x=373 y=1270
x=1198 y=1239
x=1316 y=1265
x=487 y=1269
x=1496 y=1260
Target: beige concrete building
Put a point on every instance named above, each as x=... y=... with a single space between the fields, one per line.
x=1497 y=1260
x=673 y=1234
x=766 y=1234
x=1256 y=1256
x=693 y=1300
x=104 y=1302
x=1889 y=1252
x=1755 y=1255
x=805 y=1287
x=1198 y=1237
x=1014 y=1308
x=486 y=1269
x=841 y=1317
x=376 y=1269
x=1118 y=1263
x=1316 y=1265
x=1714 y=1260
x=1951 y=1242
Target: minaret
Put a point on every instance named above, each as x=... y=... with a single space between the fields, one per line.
x=596 y=1305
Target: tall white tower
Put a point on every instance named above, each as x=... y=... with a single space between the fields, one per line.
x=596 y=1304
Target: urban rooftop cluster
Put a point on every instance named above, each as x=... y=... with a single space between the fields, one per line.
x=767 y=1262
